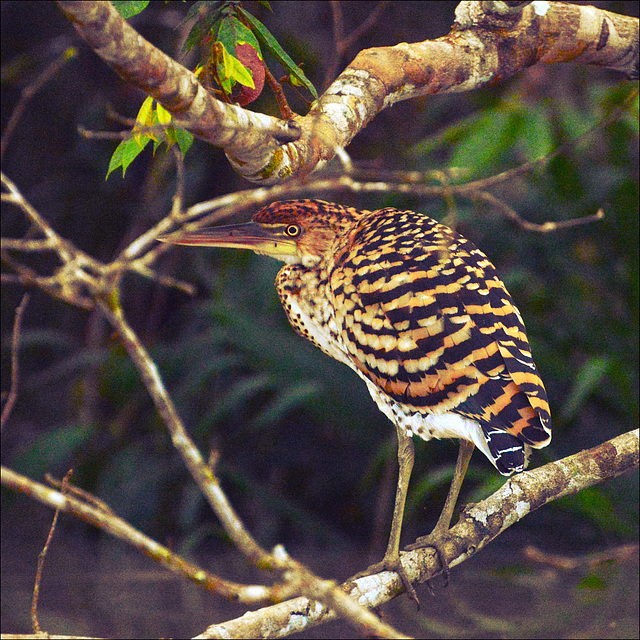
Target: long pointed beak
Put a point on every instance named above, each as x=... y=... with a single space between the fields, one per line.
x=250 y=235
x=239 y=236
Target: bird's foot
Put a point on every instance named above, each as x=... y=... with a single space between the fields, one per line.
x=391 y=564
x=435 y=541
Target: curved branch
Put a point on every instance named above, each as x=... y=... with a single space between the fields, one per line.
x=486 y=45
x=254 y=137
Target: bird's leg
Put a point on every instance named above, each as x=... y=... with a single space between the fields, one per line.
x=406 y=456
x=434 y=539
x=391 y=560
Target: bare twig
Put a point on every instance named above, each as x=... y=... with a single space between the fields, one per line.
x=342 y=42
x=81 y=277
x=177 y=202
x=94 y=512
x=12 y=396
x=41 y=558
x=29 y=91
x=281 y=99
x=150 y=130
x=545 y=227
x=81 y=494
x=410 y=183
x=623 y=553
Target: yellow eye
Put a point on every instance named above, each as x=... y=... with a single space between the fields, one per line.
x=293 y=230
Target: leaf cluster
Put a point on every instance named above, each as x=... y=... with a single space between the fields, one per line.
x=232 y=41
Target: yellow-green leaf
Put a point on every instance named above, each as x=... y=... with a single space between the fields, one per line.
x=164 y=117
x=145 y=118
x=234 y=70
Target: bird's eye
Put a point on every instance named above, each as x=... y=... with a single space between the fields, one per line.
x=293 y=230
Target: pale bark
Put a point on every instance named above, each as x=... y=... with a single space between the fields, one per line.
x=487 y=44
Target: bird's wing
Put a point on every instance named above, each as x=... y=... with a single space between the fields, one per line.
x=424 y=317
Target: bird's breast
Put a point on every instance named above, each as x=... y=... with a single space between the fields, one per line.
x=303 y=294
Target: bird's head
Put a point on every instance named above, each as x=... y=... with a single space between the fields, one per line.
x=294 y=231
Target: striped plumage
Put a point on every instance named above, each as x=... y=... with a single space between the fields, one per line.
x=420 y=314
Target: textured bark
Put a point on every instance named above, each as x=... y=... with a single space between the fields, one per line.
x=487 y=44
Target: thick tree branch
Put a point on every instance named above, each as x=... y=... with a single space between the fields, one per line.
x=486 y=45
x=252 y=137
x=478 y=525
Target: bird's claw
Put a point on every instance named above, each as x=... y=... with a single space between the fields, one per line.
x=395 y=565
x=435 y=543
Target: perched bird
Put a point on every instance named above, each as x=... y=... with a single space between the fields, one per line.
x=419 y=313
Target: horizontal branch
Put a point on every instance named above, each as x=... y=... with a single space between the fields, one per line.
x=109 y=522
x=488 y=43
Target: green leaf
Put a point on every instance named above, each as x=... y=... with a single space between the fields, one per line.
x=194 y=37
x=232 y=33
x=126 y=152
x=600 y=508
x=53 y=450
x=274 y=48
x=236 y=397
x=290 y=398
x=587 y=380
x=487 y=140
x=128 y=8
x=150 y=113
x=203 y=9
x=592 y=582
x=184 y=139
x=537 y=133
x=208 y=14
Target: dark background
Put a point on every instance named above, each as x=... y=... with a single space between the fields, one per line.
x=306 y=457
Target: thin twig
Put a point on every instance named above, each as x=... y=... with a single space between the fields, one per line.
x=281 y=99
x=41 y=559
x=148 y=130
x=93 y=511
x=15 y=346
x=342 y=42
x=29 y=91
x=622 y=553
x=545 y=227
x=177 y=202
x=83 y=495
